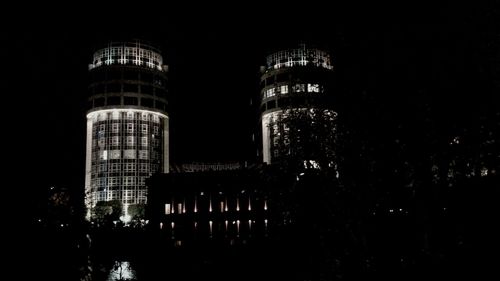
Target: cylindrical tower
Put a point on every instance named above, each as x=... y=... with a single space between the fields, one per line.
x=127 y=124
x=294 y=81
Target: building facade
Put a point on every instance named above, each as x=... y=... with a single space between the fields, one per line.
x=204 y=167
x=225 y=206
x=295 y=84
x=127 y=124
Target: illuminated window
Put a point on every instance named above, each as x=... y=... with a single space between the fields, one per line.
x=299 y=57
x=142 y=195
x=143 y=154
x=299 y=88
x=103 y=155
x=101 y=117
x=102 y=182
x=129 y=153
x=311 y=164
x=144 y=141
x=101 y=196
x=101 y=168
x=130 y=140
x=128 y=181
x=115 y=128
x=284 y=89
x=114 y=154
x=129 y=167
x=115 y=115
x=271 y=92
x=313 y=88
x=142 y=181
x=484 y=172
x=101 y=142
x=130 y=127
x=112 y=181
x=143 y=167
x=115 y=167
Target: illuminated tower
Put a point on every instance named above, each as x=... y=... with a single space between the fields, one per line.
x=127 y=123
x=295 y=82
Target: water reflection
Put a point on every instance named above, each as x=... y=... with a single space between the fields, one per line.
x=121 y=270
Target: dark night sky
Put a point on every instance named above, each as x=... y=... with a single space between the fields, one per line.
x=214 y=58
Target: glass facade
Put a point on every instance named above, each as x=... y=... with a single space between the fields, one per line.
x=127 y=146
x=127 y=124
x=301 y=56
x=133 y=53
x=298 y=79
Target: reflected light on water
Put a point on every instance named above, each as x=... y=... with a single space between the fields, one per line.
x=122 y=270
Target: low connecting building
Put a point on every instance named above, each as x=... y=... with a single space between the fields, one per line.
x=231 y=206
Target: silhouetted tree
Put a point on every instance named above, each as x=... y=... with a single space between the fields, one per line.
x=137 y=211
x=107 y=211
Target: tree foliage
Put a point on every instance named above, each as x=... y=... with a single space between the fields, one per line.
x=107 y=211
x=305 y=138
x=137 y=211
